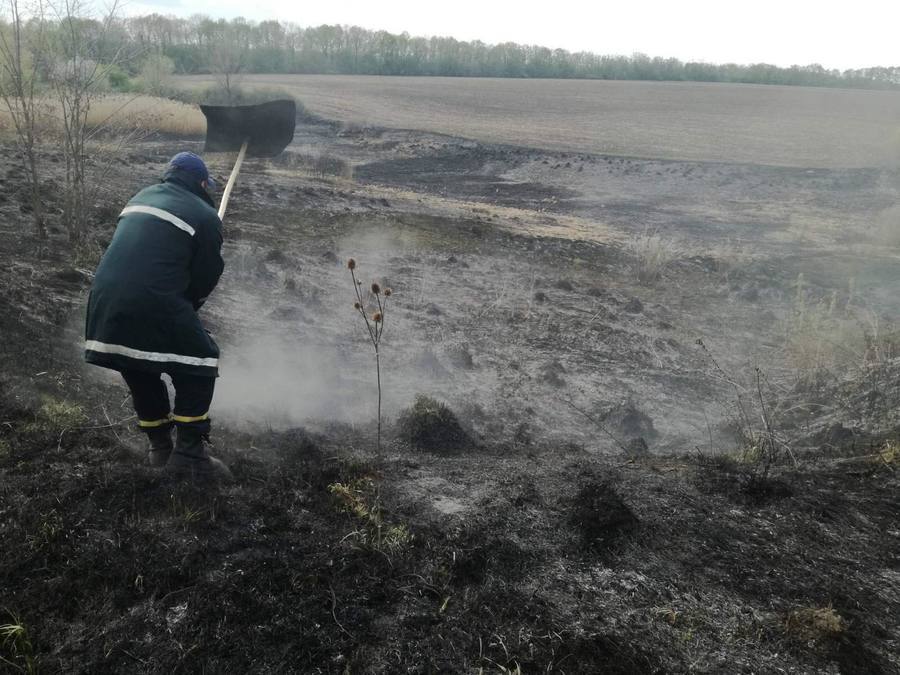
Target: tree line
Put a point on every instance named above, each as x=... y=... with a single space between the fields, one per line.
x=195 y=45
x=201 y=45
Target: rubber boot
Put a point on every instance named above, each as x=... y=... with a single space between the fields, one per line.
x=160 y=445
x=191 y=460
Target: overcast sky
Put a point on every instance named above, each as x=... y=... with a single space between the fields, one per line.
x=844 y=34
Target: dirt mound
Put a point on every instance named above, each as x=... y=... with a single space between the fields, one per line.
x=601 y=516
x=460 y=356
x=430 y=425
x=630 y=422
x=552 y=373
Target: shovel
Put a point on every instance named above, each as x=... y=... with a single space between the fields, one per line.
x=261 y=130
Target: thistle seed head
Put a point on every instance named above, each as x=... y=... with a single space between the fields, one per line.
x=351 y=264
x=388 y=292
x=376 y=289
x=377 y=317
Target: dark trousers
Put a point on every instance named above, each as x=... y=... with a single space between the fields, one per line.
x=193 y=396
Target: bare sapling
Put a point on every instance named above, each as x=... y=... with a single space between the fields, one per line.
x=374 y=301
x=21 y=49
x=79 y=75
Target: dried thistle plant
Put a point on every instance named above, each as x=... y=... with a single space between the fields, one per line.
x=376 y=303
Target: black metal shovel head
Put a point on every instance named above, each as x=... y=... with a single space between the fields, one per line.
x=269 y=127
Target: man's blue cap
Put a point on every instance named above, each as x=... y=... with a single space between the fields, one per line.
x=192 y=164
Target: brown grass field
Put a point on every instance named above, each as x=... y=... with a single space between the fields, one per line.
x=125 y=112
x=783 y=126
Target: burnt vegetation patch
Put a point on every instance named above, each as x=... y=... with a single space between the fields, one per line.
x=742 y=480
x=432 y=426
x=120 y=570
x=516 y=554
x=482 y=552
x=303 y=563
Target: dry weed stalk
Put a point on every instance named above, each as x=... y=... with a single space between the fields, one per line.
x=653 y=253
x=837 y=331
x=374 y=324
x=761 y=448
x=359 y=497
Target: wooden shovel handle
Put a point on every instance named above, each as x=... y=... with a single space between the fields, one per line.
x=229 y=186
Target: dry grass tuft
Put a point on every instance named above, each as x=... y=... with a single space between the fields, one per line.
x=814 y=623
x=889 y=455
x=55 y=417
x=653 y=253
x=836 y=331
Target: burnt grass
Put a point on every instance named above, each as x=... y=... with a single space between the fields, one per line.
x=113 y=568
x=569 y=562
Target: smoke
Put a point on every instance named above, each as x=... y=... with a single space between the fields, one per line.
x=294 y=357
x=271 y=381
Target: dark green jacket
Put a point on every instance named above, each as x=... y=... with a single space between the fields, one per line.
x=163 y=261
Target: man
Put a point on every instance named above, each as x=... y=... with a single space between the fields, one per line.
x=163 y=262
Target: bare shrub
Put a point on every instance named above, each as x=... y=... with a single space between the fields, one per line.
x=324 y=165
x=653 y=253
x=762 y=441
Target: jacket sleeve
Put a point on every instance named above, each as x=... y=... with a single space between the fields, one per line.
x=207 y=263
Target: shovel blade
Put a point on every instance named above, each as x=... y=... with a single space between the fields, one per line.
x=268 y=127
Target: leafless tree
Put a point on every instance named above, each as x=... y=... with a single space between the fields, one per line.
x=156 y=74
x=22 y=44
x=88 y=48
x=228 y=60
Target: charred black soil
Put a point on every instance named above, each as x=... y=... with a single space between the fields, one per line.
x=505 y=528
